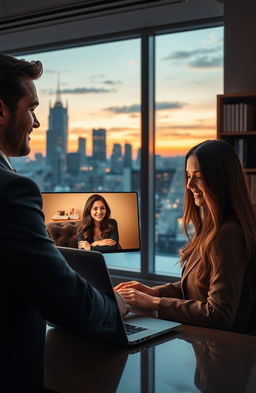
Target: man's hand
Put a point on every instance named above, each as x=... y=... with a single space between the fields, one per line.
x=123 y=306
x=137 y=285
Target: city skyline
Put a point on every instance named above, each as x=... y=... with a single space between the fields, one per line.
x=100 y=84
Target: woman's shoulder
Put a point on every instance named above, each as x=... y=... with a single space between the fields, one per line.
x=230 y=229
x=113 y=221
x=231 y=225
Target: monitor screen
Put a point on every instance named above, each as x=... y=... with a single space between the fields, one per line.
x=104 y=221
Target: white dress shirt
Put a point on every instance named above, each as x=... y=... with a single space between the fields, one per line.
x=6 y=160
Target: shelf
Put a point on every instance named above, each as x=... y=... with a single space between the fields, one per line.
x=235 y=133
x=236 y=125
x=238 y=95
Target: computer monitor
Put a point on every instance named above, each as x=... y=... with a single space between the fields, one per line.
x=65 y=210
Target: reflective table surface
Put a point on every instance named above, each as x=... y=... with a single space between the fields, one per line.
x=189 y=359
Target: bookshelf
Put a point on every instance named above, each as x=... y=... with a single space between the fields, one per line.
x=236 y=124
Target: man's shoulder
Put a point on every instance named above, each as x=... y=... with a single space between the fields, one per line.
x=13 y=181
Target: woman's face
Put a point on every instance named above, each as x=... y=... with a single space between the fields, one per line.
x=195 y=183
x=98 y=211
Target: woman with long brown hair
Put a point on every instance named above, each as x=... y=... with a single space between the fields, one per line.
x=97 y=230
x=218 y=284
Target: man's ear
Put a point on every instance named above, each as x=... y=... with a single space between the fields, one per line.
x=4 y=112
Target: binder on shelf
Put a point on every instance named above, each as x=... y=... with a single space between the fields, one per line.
x=233 y=118
x=236 y=125
x=241 y=117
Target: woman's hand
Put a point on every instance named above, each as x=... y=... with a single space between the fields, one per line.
x=139 y=299
x=104 y=242
x=83 y=244
x=137 y=285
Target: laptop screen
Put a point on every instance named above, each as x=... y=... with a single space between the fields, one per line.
x=105 y=221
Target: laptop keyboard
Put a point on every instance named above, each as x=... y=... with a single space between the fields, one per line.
x=131 y=329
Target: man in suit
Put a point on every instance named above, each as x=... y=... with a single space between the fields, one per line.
x=36 y=283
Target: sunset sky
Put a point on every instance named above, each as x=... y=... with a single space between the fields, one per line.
x=101 y=84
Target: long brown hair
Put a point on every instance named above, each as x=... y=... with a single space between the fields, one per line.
x=227 y=198
x=87 y=224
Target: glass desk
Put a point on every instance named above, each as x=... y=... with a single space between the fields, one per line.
x=189 y=360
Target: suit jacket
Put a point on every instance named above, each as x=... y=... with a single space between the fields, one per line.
x=36 y=284
x=229 y=297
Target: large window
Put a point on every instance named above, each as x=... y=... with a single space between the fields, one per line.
x=89 y=139
x=189 y=74
x=90 y=136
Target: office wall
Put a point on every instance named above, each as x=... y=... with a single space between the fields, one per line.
x=25 y=36
x=11 y=8
x=240 y=53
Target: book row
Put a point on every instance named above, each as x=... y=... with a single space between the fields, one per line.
x=238 y=117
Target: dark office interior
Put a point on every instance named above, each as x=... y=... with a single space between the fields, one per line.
x=216 y=39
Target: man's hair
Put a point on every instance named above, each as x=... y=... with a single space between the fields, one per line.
x=12 y=71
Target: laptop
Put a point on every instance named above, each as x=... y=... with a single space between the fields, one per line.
x=131 y=329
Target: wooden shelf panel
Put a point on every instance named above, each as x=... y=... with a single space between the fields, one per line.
x=235 y=133
x=237 y=95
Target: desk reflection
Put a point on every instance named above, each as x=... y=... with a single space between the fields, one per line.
x=190 y=360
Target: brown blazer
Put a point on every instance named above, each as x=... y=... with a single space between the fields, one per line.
x=229 y=296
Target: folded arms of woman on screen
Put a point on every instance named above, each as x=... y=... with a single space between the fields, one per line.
x=217 y=288
x=97 y=243
x=97 y=231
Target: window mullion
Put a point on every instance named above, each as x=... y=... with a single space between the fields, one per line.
x=147 y=151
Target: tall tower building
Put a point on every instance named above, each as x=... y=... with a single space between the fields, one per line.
x=99 y=146
x=73 y=163
x=57 y=134
x=127 y=155
x=58 y=168
x=82 y=150
x=138 y=159
x=116 y=161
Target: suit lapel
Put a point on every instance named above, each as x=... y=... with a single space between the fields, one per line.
x=4 y=165
x=192 y=262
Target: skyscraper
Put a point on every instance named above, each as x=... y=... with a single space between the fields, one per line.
x=82 y=150
x=116 y=160
x=138 y=159
x=73 y=163
x=57 y=134
x=58 y=168
x=99 y=145
x=127 y=155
